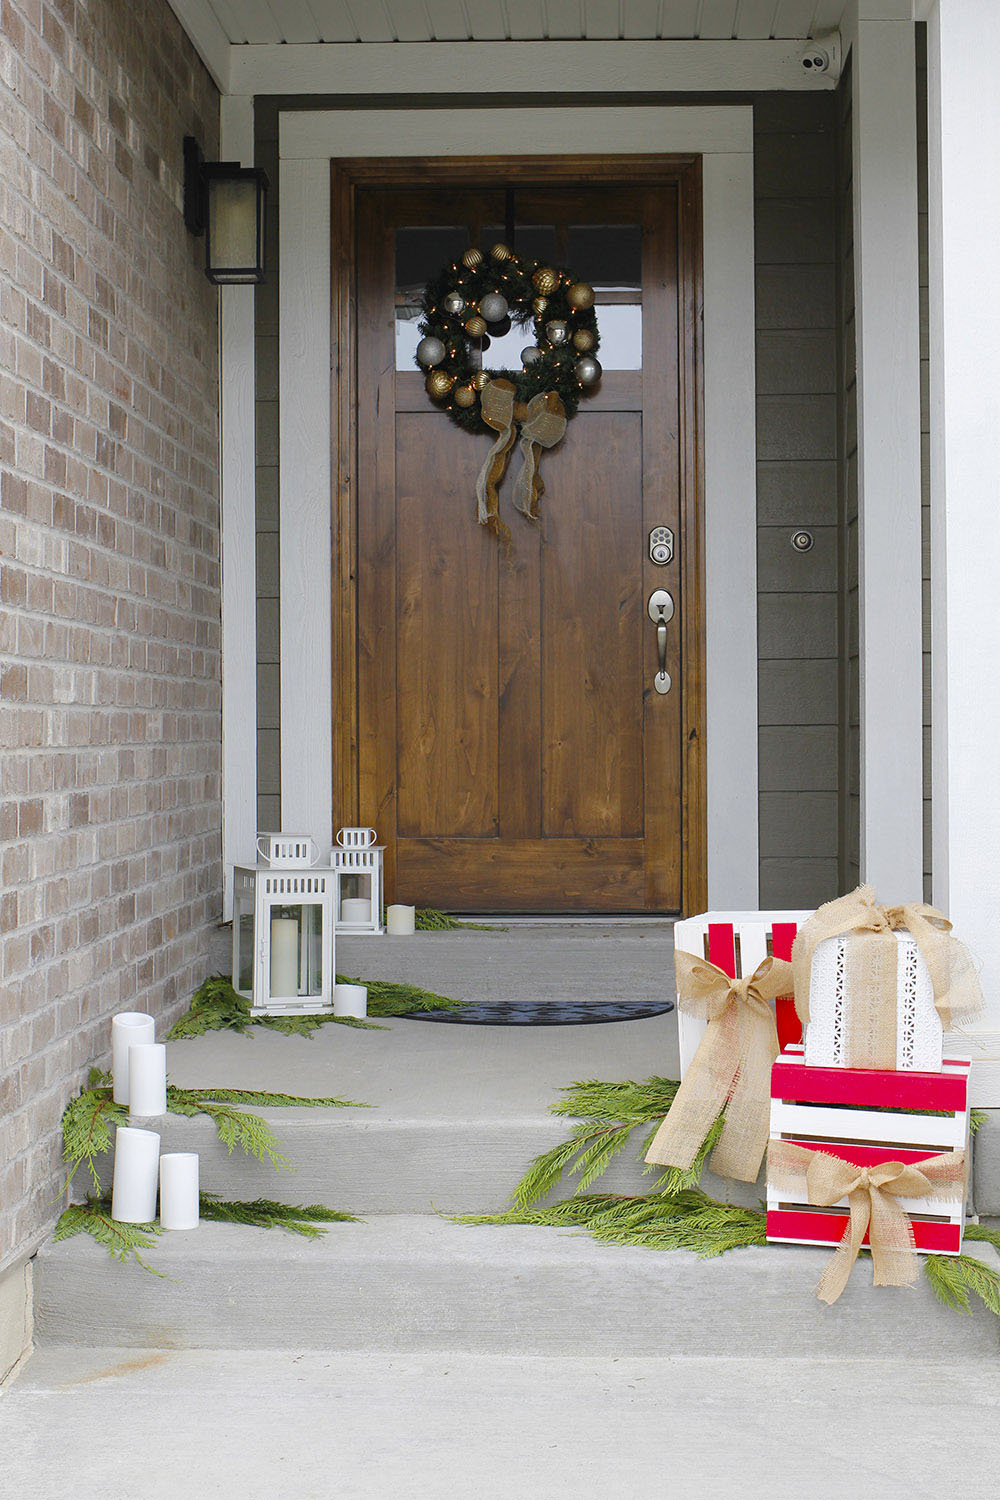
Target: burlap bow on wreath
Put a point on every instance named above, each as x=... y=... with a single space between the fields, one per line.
x=543 y=423
x=731 y=1069
x=871 y=1193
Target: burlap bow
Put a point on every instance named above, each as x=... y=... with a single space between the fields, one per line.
x=871 y=1193
x=870 y=972
x=731 y=1069
x=543 y=422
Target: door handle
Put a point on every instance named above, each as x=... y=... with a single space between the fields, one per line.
x=661 y=610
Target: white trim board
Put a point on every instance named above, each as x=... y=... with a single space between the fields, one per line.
x=539 y=67
x=238 y=542
x=724 y=134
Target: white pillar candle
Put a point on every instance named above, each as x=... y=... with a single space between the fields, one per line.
x=350 y=1000
x=400 y=921
x=127 y=1029
x=147 y=1080
x=356 y=910
x=137 y=1159
x=179 y=1190
x=284 y=956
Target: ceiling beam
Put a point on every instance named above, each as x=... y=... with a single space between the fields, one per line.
x=547 y=67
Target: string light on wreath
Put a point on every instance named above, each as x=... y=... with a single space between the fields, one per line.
x=478 y=297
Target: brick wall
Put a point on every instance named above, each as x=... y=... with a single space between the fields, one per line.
x=110 y=869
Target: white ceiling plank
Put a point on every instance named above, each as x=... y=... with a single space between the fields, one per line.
x=718 y=20
x=296 y=19
x=409 y=20
x=335 y=21
x=601 y=20
x=487 y=22
x=641 y=19
x=679 y=19
x=371 y=21
x=525 y=20
x=260 y=23
x=793 y=18
x=565 y=21
x=826 y=16
x=754 y=19
x=448 y=22
x=230 y=16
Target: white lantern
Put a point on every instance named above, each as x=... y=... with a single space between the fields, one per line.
x=357 y=860
x=283 y=939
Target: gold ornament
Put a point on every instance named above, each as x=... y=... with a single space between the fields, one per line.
x=580 y=295
x=583 y=340
x=438 y=384
x=464 y=395
x=539 y=305
x=546 y=280
x=472 y=258
x=502 y=252
x=480 y=379
x=476 y=327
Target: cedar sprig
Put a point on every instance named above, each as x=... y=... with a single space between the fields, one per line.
x=610 y=1113
x=267 y=1213
x=122 y=1241
x=217 y=1006
x=429 y=919
x=954 y=1277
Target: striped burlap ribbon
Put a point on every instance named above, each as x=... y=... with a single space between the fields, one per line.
x=542 y=421
x=731 y=1069
x=870 y=983
x=871 y=1193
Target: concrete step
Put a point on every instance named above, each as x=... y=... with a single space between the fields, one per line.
x=417 y=1284
x=274 y=1423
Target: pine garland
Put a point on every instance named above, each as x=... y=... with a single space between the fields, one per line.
x=429 y=919
x=217 y=1006
x=123 y=1241
x=88 y=1119
x=610 y=1112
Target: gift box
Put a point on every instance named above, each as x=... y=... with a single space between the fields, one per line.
x=919 y=1034
x=866 y=1118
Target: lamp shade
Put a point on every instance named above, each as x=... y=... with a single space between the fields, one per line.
x=235 y=209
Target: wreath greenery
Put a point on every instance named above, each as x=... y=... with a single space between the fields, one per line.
x=456 y=324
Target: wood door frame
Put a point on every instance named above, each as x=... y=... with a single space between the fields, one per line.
x=348 y=175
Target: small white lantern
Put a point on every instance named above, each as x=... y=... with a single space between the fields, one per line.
x=357 y=860
x=283 y=939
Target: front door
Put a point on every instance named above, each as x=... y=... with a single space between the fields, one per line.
x=512 y=749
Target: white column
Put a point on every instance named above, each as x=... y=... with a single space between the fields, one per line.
x=964 y=211
x=888 y=350
x=238 y=545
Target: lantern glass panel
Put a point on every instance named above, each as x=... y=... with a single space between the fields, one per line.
x=232 y=215
x=244 y=951
x=296 y=950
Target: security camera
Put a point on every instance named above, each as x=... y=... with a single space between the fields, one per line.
x=815 y=59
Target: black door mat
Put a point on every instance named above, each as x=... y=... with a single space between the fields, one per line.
x=545 y=1013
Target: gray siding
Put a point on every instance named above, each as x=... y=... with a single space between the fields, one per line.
x=850 y=679
x=925 y=427
x=268 y=638
x=795 y=170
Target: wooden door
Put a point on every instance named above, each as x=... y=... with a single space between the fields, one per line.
x=511 y=749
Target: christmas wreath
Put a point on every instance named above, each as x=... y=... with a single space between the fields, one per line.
x=480 y=296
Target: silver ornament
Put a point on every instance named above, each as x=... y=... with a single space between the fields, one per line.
x=530 y=354
x=493 y=307
x=454 y=303
x=587 y=370
x=556 y=332
x=430 y=352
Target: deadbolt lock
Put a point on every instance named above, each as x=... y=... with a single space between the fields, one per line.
x=661 y=545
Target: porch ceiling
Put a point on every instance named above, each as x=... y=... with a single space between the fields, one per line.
x=307 y=21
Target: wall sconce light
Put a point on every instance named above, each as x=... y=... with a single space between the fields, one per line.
x=227 y=203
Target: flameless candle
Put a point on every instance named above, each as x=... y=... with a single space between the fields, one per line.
x=179 y=1190
x=356 y=910
x=350 y=1000
x=129 y=1028
x=284 y=956
x=137 y=1158
x=147 y=1080
x=400 y=921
